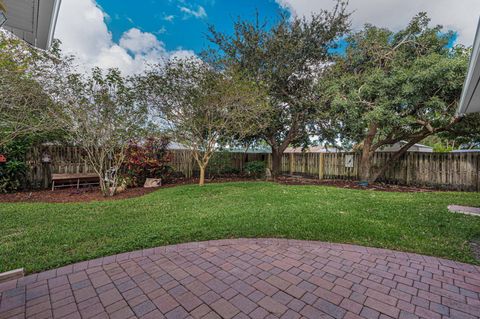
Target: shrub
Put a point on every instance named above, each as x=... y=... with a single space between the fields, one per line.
x=147 y=160
x=220 y=164
x=13 y=172
x=255 y=169
x=12 y=176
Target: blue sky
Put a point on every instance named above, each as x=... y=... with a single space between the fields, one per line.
x=131 y=35
x=182 y=24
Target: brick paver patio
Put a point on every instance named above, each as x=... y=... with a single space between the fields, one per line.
x=250 y=278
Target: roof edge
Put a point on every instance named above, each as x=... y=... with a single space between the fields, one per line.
x=53 y=22
x=468 y=91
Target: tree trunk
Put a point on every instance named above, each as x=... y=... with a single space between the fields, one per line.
x=365 y=166
x=101 y=180
x=202 y=175
x=113 y=185
x=104 y=187
x=395 y=157
x=276 y=163
x=367 y=154
x=245 y=157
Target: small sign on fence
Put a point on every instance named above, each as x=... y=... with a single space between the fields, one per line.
x=349 y=161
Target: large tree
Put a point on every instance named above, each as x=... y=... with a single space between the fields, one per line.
x=26 y=108
x=100 y=115
x=287 y=58
x=395 y=86
x=201 y=106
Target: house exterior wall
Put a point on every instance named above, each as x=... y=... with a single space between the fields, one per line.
x=32 y=20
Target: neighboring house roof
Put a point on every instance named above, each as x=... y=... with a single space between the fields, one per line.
x=312 y=149
x=249 y=151
x=466 y=151
x=33 y=20
x=176 y=146
x=470 y=101
x=415 y=148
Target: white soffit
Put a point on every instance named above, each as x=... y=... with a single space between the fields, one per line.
x=32 y=20
x=470 y=101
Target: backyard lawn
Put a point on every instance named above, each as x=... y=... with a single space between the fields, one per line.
x=41 y=236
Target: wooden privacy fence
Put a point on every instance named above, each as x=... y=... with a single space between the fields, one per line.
x=63 y=160
x=455 y=171
x=183 y=161
x=71 y=160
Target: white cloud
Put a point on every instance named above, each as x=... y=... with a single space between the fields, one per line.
x=139 y=42
x=130 y=20
x=457 y=15
x=81 y=28
x=200 y=13
x=169 y=18
x=162 y=30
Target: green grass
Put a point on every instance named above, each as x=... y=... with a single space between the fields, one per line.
x=41 y=236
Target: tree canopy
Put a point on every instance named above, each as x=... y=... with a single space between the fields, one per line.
x=201 y=106
x=100 y=114
x=394 y=86
x=26 y=108
x=287 y=58
x=282 y=84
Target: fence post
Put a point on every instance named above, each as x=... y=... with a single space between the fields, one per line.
x=478 y=172
x=47 y=174
x=291 y=159
x=320 y=165
x=407 y=179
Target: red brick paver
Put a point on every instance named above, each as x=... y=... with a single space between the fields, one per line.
x=250 y=278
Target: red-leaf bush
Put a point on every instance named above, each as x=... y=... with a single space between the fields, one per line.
x=149 y=159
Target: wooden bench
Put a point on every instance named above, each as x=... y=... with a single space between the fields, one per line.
x=70 y=180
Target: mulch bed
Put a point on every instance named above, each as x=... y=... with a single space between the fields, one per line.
x=73 y=195
x=69 y=195
x=298 y=180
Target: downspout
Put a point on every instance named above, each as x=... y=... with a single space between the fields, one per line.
x=53 y=22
